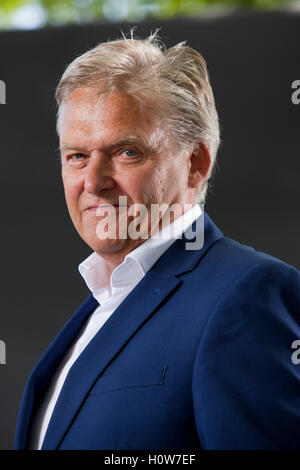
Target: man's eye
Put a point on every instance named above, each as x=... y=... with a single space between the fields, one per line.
x=130 y=152
x=77 y=156
x=75 y=159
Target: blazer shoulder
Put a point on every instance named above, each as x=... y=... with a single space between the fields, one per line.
x=244 y=377
x=237 y=258
x=253 y=288
x=230 y=270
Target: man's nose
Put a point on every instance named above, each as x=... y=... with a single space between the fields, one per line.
x=98 y=176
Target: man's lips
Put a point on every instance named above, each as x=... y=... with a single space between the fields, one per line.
x=94 y=208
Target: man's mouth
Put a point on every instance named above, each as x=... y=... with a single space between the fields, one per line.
x=102 y=206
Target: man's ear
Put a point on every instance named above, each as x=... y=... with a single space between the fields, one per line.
x=200 y=163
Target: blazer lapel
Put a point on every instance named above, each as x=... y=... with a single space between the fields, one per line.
x=106 y=344
x=41 y=374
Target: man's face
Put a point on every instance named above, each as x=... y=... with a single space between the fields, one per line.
x=110 y=149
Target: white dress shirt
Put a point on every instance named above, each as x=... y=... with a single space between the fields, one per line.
x=122 y=280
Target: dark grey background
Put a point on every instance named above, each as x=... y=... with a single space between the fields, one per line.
x=252 y=59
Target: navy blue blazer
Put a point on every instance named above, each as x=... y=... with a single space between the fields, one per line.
x=198 y=355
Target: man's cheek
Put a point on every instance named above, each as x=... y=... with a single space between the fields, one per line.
x=72 y=195
x=72 y=203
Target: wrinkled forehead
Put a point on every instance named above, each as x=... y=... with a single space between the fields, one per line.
x=86 y=108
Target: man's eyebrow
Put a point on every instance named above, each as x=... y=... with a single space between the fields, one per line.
x=128 y=140
x=63 y=147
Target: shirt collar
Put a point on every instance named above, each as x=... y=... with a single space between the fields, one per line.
x=151 y=250
x=136 y=263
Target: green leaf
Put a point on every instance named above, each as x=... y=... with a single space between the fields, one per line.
x=10 y=5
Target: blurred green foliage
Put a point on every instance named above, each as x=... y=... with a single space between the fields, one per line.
x=37 y=13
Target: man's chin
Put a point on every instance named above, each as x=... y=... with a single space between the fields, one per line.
x=110 y=246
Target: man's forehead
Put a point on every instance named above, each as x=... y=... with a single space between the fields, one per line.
x=99 y=120
x=85 y=114
x=89 y=105
x=72 y=130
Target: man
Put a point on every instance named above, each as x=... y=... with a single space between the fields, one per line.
x=176 y=347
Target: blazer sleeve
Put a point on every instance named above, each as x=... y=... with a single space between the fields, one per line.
x=246 y=387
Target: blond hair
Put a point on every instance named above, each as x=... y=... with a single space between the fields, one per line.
x=172 y=82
